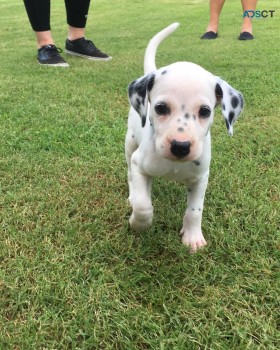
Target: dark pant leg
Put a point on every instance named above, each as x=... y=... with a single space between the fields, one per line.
x=77 y=11
x=38 y=12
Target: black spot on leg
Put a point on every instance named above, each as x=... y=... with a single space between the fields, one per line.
x=187 y=115
x=234 y=101
x=196 y=162
x=227 y=124
x=164 y=72
x=224 y=107
x=181 y=129
x=231 y=117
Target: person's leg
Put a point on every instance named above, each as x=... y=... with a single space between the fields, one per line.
x=77 y=12
x=215 y=10
x=39 y=17
x=248 y=5
x=76 y=43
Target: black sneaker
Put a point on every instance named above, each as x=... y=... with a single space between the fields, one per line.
x=209 y=35
x=86 y=49
x=49 y=55
x=245 y=36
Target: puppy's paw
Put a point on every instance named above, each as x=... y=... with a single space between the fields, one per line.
x=194 y=240
x=139 y=224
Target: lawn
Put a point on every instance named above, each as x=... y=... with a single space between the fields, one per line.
x=73 y=275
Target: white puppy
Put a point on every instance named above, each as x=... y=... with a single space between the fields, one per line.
x=169 y=134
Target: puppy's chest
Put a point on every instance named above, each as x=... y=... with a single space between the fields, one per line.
x=172 y=170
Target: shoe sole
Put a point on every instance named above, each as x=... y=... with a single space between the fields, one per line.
x=88 y=57
x=54 y=64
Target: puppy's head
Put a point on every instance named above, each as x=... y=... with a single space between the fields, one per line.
x=182 y=100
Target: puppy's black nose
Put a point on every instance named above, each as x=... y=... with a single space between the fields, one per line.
x=180 y=149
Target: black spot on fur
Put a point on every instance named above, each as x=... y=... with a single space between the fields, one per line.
x=234 y=101
x=178 y=120
x=151 y=82
x=131 y=88
x=231 y=116
x=194 y=117
x=138 y=104
x=164 y=72
x=227 y=124
x=224 y=107
x=241 y=100
x=181 y=129
x=218 y=91
x=141 y=87
x=196 y=162
x=187 y=116
x=143 y=120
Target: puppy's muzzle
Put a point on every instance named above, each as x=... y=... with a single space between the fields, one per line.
x=180 y=149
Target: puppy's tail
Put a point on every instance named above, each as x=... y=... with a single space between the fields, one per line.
x=150 y=54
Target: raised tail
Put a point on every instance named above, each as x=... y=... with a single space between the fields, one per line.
x=150 y=54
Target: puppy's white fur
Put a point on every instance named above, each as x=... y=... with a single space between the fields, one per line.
x=172 y=109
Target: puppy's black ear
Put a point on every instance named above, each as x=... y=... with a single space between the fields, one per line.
x=231 y=101
x=138 y=92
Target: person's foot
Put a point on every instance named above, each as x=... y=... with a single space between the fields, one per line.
x=209 y=35
x=245 y=36
x=86 y=49
x=49 y=55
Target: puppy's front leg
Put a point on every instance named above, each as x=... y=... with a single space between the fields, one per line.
x=140 y=197
x=191 y=230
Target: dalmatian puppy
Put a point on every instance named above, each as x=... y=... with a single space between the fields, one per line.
x=172 y=110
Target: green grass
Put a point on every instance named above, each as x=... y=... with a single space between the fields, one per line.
x=73 y=275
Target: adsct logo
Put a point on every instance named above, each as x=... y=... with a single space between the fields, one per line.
x=259 y=14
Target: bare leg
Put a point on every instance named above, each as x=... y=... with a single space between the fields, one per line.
x=215 y=10
x=44 y=38
x=248 y=5
x=75 y=33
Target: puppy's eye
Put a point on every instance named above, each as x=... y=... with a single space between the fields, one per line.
x=161 y=108
x=204 y=112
